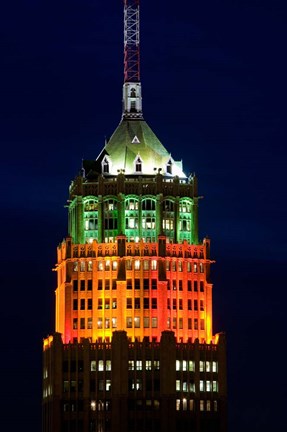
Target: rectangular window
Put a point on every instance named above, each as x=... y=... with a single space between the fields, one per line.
x=82 y=323
x=90 y=323
x=107 y=323
x=100 y=303
x=137 y=302
x=129 y=284
x=180 y=266
x=107 y=284
x=137 y=322
x=153 y=264
x=90 y=304
x=195 y=305
x=82 y=285
x=75 y=323
x=114 y=284
x=131 y=364
x=146 y=322
x=129 y=303
x=154 y=322
x=180 y=304
x=146 y=265
x=195 y=286
x=146 y=284
x=82 y=304
x=75 y=285
x=174 y=304
x=75 y=266
x=154 y=284
x=146 y=303
x=82 y=266
x=75 y=304
x=129 y=322
x=137 y=264
x=201 y=366
x=180 y=285
x=168 y=303
x=189 y=323
x=137 y=284
x=189 y=304
x=100 y=323
x=138 y=364
x=191 y=366
x=101 y=365
x=177 y=385
x=195 y=324
x=114 y=322
x=167 y=265
x=100 y=284
x=201 y=286
x=114 y=265
x=202 y=324
x=174 y=323
x=189 y=285
x=201 y=305
x=180 y=323
x=107 y=303
x=215 y=386
x=90 y=284
x=201 y=385
x=114 y=303
x=201 y=405
x=93 y=366
x=154 y=303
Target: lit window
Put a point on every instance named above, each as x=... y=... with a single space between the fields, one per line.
x=146 y=322
x=131 y=365
x=90 y=323
x=154 y=264
x=100 y=303
x=75 y=266
x=129 y=303
x=184 y=365
x=137 y=322
x=108 y=385
x=201 y=366
x=214 y=366
x=177 y=404
x=202 y=326
x=90 y=265
x=100 y=323
x=154 y=322
x=195 y=324
x=93 y=405
x=139 y=365
x=177 y=385
x=191 y=405
x=114 y=322
x=82 y=323
x=201 y=405
x=107 y=303
x=148 y=364
x=75 y=323
x=100 y=365
x=201 y=385
x=93 y=365
x=137 y=264
x=83 y=266
x=177 y=365
x=191 y=365
x=215 y=405
x=146 y=265
x=114 y=265
x=208 y=386
x=129 y=321
x=180 y=323
x=107 y=323
x=207 y=366
x=215 y=386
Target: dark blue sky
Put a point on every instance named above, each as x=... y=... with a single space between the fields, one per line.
x=214 y=91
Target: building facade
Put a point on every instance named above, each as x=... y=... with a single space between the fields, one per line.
x=133 y=348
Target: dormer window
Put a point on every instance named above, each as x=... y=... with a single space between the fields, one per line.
x=133 y=93
x=169 y=167
x=138 y=164
x=105 y=166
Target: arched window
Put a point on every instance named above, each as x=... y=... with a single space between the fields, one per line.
x=138 y=164
x=105 y=165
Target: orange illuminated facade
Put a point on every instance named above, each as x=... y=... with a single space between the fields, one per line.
x=133 y=348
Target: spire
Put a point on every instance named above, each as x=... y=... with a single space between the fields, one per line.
x=132 y=99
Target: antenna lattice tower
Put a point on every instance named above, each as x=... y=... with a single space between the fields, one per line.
x=131 y=41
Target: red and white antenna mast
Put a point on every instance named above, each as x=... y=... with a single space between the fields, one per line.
x=132 y=100
x=132 y=40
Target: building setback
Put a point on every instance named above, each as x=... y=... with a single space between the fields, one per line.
x=133 y=348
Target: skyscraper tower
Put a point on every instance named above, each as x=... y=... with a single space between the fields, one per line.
x=133 y=348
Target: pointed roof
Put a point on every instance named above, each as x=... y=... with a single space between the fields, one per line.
x=133 y=139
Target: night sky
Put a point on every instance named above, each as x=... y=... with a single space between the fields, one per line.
x=213 y=79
